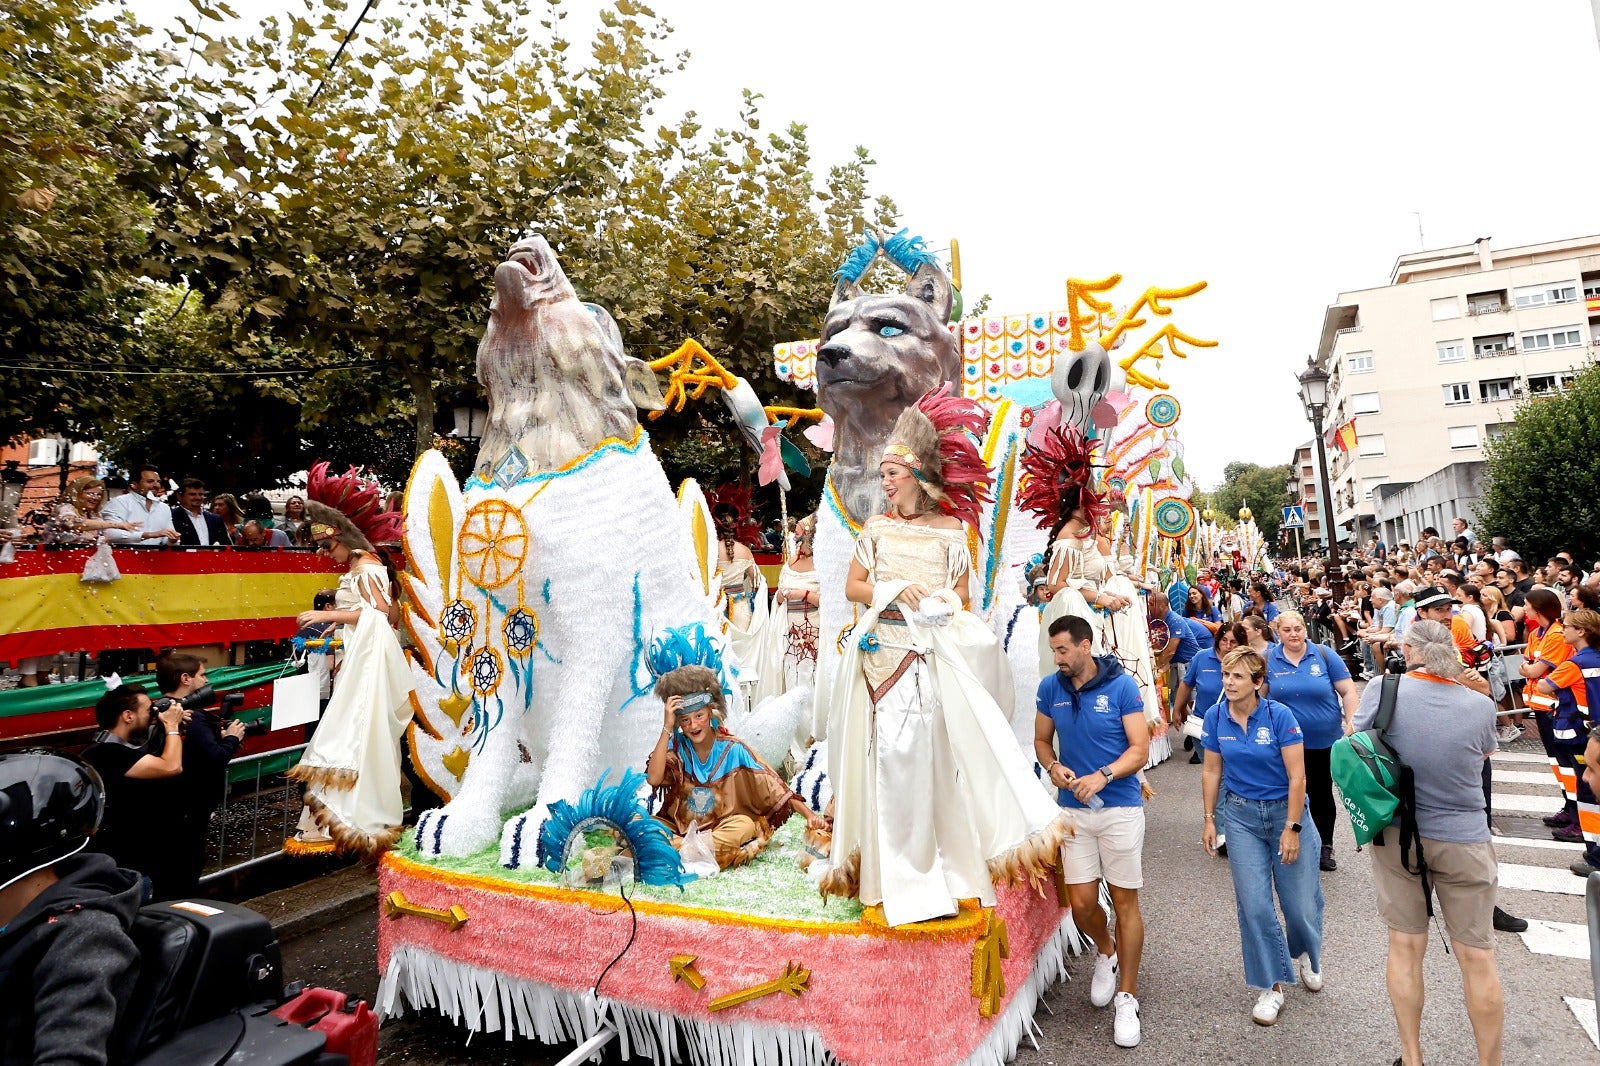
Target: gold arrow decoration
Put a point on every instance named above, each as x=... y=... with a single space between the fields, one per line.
x=396 y=905
x=793 y=981
x=683 y=970
x=988 y=979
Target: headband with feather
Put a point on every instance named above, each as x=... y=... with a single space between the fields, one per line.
x=937 y=438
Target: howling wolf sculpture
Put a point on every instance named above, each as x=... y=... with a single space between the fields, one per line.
x=535 y=592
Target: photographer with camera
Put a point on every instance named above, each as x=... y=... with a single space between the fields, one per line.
x=209 y=744
x=141 y=788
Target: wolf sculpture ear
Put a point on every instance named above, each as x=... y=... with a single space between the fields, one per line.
x=930 y=285
x=843 y=292
x=640 y=381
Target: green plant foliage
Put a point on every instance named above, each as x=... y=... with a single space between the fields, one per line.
x=1542 y=491
x=1261 y=487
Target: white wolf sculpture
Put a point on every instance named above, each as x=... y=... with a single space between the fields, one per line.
x=535 y=592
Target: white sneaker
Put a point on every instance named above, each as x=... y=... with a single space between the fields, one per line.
x=1125 y=1030
x=1103 y=985
x=1312 y=979
x=1268 y=1005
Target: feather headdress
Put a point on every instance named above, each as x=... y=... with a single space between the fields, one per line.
x=359 y=500
x=617 y=808
x=330 y=522
x=1058 y=463
x=937 y=438
x=733 y=498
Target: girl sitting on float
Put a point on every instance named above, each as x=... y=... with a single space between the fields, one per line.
x=708 y=778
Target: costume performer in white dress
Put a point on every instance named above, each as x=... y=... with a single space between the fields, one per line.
x=800 y=592
x=351 y=767
x=754 y=634
x=934 y=800
x=1083 y=576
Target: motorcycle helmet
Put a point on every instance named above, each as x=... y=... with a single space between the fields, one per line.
x=50 y=804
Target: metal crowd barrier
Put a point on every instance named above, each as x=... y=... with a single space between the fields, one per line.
x=260 y=809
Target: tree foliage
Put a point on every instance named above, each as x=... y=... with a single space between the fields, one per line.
x=1259 y=487
x=1542 y=490
x=74 y=89
x=345 y=223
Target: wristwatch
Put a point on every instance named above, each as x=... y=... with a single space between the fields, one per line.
x=1295 y=826
x=1110 y=777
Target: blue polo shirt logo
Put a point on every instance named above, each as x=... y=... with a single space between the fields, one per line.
x=1316 y=669
x=1263 y=735
x=1102 y=705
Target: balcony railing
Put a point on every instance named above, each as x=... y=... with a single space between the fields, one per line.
x=1494 y=353
x=1487 y=309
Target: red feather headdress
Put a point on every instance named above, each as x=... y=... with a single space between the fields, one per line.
x=1057 y=463
x=357 y=499
x=737 y=497
x=937 y=438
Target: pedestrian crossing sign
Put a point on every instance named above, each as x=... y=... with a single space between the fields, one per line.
x=1293 y=518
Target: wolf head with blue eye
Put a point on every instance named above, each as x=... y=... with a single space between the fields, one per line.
x=877 y=355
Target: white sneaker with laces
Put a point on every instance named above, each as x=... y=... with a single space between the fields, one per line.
x=1312 y=979
x=1103 y=985
x=1125 y=1029
x=1268 y=1004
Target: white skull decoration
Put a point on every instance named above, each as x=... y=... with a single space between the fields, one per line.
x=1080 y=381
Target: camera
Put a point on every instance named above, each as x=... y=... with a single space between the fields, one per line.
x=201 y=699
x=1394 y=663
x=230 y=706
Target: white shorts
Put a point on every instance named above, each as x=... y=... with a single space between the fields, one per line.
x=1109 y=843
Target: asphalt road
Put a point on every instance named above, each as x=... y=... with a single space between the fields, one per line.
x=1195 y=1007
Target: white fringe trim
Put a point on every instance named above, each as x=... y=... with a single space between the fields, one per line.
x=482 y=1000
x=1160 y=749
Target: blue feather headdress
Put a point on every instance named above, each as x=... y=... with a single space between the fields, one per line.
x=619 y=808
x=904 y=250
x=689 y=645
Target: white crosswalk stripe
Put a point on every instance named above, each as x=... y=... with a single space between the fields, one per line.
x=1584 y=1010
x=1524 y=777
x=1542 y=845
x=1539 y=879
x=1519 y=756
x=1514 y=801
x=1557 y=938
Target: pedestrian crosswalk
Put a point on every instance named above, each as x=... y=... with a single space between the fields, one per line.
x=1533 y=863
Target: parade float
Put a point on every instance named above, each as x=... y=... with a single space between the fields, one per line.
x=542 y=900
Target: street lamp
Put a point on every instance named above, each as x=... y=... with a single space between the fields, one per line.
x=470 y=421
x=1314 y=395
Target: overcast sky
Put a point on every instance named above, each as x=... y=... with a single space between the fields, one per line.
x=1276 y=150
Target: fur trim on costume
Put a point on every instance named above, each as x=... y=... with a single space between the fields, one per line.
x=843 y=880
x=359 y=500
x=1034 y=858
x=324 y=777
x=1056 y=464
x=296 y=848
x=941 y=431
x=346 y=837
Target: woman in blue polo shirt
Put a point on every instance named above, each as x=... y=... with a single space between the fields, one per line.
x=1315 y=684
x=1254 y=784
x=1202 y=681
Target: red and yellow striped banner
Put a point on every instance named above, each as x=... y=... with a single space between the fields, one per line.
x=165 y=598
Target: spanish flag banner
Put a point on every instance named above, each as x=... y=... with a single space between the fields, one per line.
x=1344 y=438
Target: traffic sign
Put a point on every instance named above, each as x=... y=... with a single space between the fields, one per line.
x=1293 y=518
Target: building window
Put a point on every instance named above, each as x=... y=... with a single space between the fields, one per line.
x=1544 y=384
x=1451 y=351
x=1463 y=437
x=1591 y=289
x=1568 y=337
x=1457 y=393
x=1370 y=444
x=1364 y=403
x=1370 y=483
x=1445 y=308
x=1496 y=430
x=1496 y=390
x=1486 y=303
x=1359 y=362
x=1557 y=292
x=44 y=452
x=1491 y=345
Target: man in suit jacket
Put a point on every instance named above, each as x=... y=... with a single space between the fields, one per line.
x=196 y=526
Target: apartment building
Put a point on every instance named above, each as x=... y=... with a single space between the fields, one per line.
x=1435 y=363
x=1307 y=491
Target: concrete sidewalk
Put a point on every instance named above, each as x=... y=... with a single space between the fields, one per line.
x=305 y=908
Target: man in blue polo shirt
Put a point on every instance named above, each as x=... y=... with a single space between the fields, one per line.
x=1091 y=737
x=1182 y=645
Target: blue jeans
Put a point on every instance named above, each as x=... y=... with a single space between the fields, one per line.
x=1253 y=828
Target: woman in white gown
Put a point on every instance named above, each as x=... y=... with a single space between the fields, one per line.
x=800 y=592
x=934 y=800
x=1083 y=575
x=351 y=767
